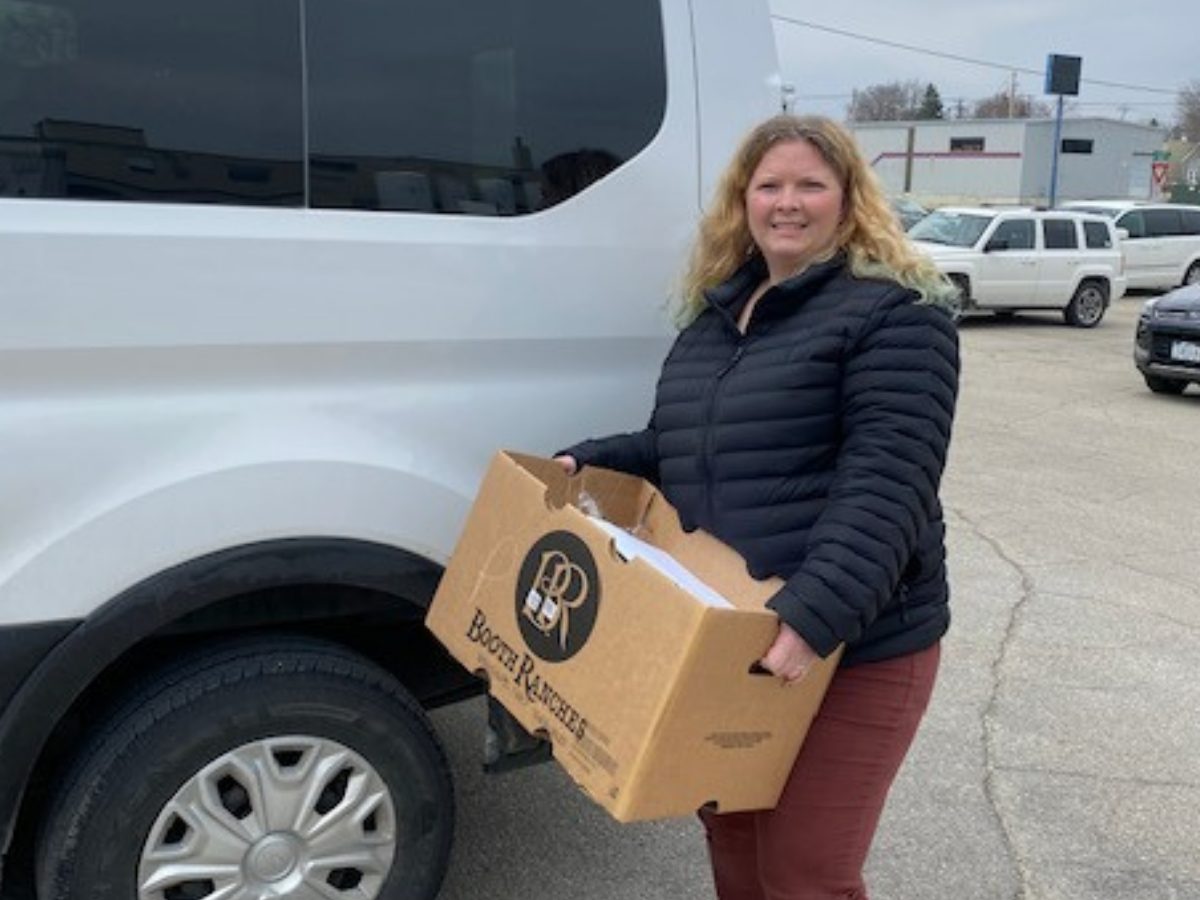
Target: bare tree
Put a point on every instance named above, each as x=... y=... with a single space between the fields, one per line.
x=1002 y=105
x=888 y=102
x=1188 y=109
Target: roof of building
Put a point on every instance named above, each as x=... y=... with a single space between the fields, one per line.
x=1074 y=120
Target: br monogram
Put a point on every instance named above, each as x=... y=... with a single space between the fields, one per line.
x=559 y=587
x=558 y=596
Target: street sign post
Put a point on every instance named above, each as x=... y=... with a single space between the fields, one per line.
x=1062 y=77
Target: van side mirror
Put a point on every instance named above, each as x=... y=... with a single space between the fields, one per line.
x=1123 y=233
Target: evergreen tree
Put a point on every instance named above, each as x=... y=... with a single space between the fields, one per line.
x=931 y=104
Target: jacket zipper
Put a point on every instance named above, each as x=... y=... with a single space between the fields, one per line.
x=710 y=408
x=903 y=598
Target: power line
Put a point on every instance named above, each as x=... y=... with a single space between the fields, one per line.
x=958 y=58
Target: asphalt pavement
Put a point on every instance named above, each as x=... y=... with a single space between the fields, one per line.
x=1060 y=759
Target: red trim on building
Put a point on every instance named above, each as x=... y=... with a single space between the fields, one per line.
x=947 y=154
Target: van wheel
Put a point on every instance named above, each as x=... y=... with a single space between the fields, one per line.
x=1161 y=385
x=1087 y=307
x=271 y=768
x=1192 y=276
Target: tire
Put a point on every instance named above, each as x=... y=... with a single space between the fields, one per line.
x=275 y=764
x=1192 y=275
x=1088 y=305
x=1161 y=385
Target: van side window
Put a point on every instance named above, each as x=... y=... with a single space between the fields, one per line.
x=1014 y=234
x=1191 y=221
x=1163 y=222
x=1133 y=223
x=1059 y=234
x=1096 y=235
x=494 y=108
x=148 y=101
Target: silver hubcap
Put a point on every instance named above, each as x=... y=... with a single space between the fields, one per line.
x=1090 y=305
x=287 y=817
x=1193 y=275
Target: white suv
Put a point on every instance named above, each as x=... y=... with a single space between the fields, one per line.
x=276 y=280
x=1161 y=241
x=1009 y=259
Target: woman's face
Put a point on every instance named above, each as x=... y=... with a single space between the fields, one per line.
x=793 y=207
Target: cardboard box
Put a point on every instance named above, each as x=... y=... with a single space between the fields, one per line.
x=645 y=691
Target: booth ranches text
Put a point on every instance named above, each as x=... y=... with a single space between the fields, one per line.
x=524 y=670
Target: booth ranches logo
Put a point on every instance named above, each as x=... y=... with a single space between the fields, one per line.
x=558 y=596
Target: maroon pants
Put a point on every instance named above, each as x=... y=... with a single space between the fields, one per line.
x=813 y=844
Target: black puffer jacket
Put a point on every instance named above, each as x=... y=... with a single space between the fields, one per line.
x=813 y=445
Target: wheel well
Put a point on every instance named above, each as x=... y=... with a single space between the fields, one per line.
x=961 y=281
x=1098 y=280
x=385 y=627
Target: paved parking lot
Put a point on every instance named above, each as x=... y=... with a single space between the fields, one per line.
x=1061 y=757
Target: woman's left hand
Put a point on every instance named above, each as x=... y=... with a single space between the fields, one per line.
x=790 y=657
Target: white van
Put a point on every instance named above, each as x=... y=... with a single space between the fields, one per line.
x=277 y=279
x=1162 y=246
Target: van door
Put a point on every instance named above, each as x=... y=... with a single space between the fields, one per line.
x=1137 y=249
x=1148 y=262
x=1165 y=227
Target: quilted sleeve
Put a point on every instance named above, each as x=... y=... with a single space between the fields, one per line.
x=899 y=390
x=635 y=453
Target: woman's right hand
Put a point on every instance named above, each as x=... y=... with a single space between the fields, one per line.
x=568 y=463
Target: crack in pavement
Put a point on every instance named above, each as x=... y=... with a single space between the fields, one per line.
x=988 y=722
x=1106 y=778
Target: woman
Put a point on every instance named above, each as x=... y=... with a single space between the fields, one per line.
x=803 y=417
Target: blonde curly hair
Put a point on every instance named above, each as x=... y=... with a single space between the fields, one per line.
x=869 y=232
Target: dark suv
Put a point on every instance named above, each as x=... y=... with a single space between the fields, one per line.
x=1167 y=346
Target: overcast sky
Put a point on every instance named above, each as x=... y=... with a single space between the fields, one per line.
x=1143 y=44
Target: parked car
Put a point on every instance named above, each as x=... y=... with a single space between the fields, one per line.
x=1161 y=241
x=908 y=211
x=1166 y=347
x=1005 y=260
x=277 y=280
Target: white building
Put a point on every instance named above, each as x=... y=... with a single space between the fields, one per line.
x=1009 y=160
